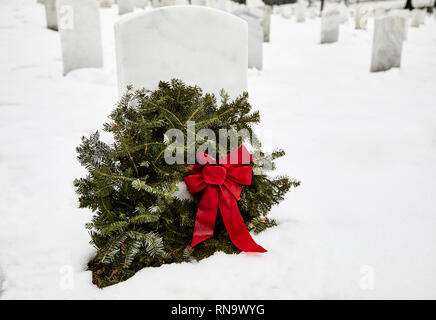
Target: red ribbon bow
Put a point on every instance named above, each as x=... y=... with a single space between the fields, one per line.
x=221 y=183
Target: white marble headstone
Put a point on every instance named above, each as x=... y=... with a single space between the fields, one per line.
x=277 y=9
x=361 y=17
x=211 y=3
x=141 y=3
x=387 y=43
x=199 y=45
x=50 y=14
x=223 y=5
x=254 y=3
x=199 y=2
x=344 y=13
x=300 y=12
x=155 y=4
x=266 y=23
x=379 y=12
x=254 y=18
x=125 y=6
x=106 y=3
x=286 y=11
x=312 y=12
x=181 y=2
x=402 y=13
x=79 y=28
x=330 y=22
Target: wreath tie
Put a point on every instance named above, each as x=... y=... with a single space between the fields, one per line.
x=221 y=184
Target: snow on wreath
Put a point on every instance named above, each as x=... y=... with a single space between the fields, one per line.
x=140 y=217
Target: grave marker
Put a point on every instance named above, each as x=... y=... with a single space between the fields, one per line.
x=79 y=29
x=330 y=22
x=387 y=43
x=167 y=43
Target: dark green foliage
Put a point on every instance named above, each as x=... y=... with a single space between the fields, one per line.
x=130 y=188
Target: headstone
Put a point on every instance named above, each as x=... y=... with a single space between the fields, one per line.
x=254 y=18
x=199 y=45
x=50 y=14
x=254 y=3
x=344 y=13
x=415 y=19
x=125 y=6
x=211 y=3
x=388 y=43
x=106 y=3
x=422 y=15
x=330 y=21
x=180 y=2
x=199 y=2
x=312 y=12
x=379 y=12
x=266 y=23
x=223 y=5
x=277 y=9
x=286 y=11
x=79 y=28
x=361 y=17
x=402 y=13
x=300 y=12
x=140 y=3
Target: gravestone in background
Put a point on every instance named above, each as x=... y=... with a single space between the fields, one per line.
x=312 y=12
x=254 y=3
x=168 y=43
x=277 y=9
x=344 y=13
x=266 y=23
x=106 y=3
x=125 y=6
x=199 y=2
x=224 y=5
x=180 y=2
x=50 y=14
x=417 y=17
x=254 y=18
x=402 y=13
x=379 y=12
x=387 y=43
x=211 y=3
x=330 y=21
x=300 y=12
x=361 y=16
x=286 y=11
x=79 y=29
x=140 y=3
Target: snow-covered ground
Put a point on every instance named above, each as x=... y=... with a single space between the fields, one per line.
x=362 y=224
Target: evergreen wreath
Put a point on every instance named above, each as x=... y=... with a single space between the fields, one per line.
x=138 y=222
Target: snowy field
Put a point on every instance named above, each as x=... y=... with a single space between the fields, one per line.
x=361 y=225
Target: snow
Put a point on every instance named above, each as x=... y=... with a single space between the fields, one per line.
x=363 y=144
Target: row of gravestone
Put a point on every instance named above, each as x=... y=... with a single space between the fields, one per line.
x=161 y=44
x=390 y=31
x=79 y=28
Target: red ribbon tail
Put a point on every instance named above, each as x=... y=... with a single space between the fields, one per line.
x=235 y=225
x=206 y=215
